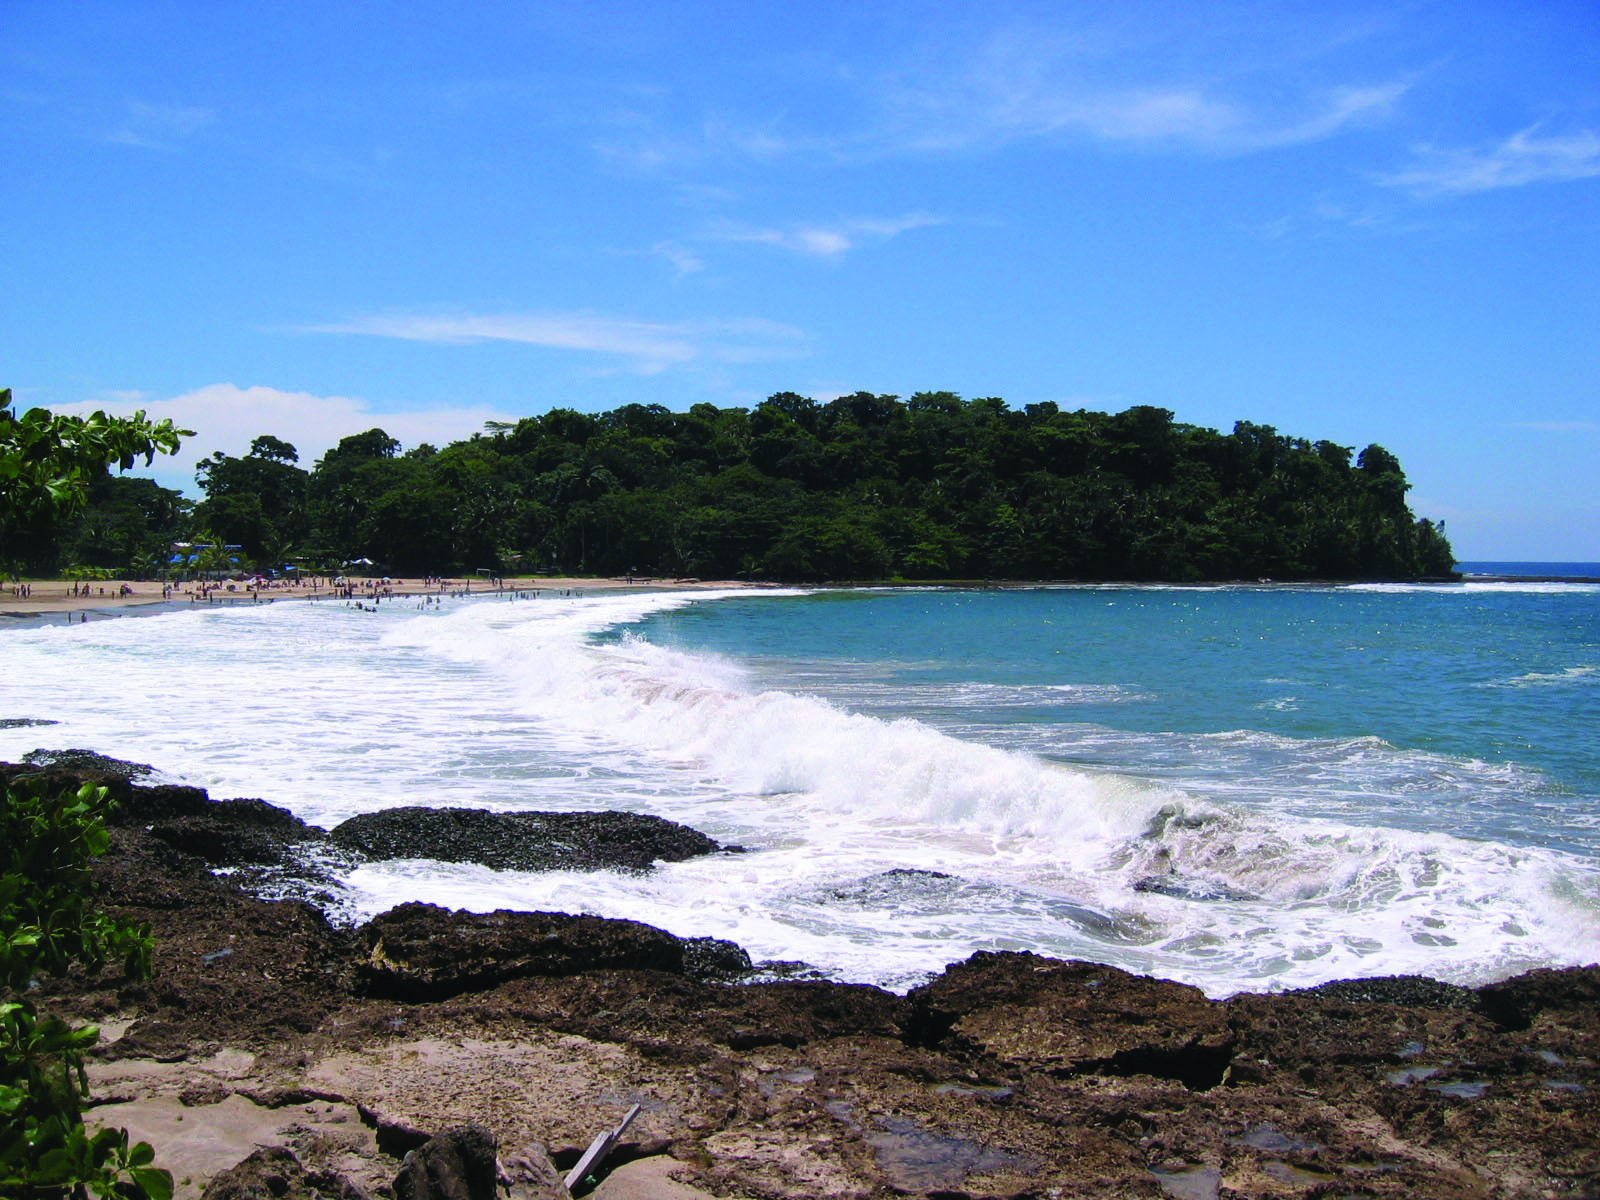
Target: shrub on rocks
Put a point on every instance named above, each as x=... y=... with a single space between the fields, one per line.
x=48 y=837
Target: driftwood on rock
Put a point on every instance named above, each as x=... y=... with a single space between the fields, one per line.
x=595 y=1156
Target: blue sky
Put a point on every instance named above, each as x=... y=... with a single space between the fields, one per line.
x=1355 y=222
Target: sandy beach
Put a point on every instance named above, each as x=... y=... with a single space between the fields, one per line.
x=105 y=598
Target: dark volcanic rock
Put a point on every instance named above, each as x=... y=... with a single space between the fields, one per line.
x=1071 y=1018
x=459 y=1164
x=273 y=853
x=1411 y=991
x=230 y=833
x=87 y=760
x=160 y=802
x=274 y=1173
x=677 y=1016
x=1516 y=1003
x=135 y=805
x=715 y=960
x=523 y=841
x=423 y=952
x=228 y=967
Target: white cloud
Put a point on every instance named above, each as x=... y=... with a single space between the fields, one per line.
x=829 y=241
x=227 y=417
x=159 y=126
x=649 y=346
x=1521 y=159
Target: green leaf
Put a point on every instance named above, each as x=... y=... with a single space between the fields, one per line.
x=153 y=1182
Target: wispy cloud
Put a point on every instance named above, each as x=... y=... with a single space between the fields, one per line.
x=649 y=346
x=641 y=143
x=159 y=126
x=1214 y=86
x=1556 y=426
x=1028 y=84
x=1521 y=159
x=830 y=240
x=1331 y=114
x=684 y=260
x=1192 y=118
x=1383 y=215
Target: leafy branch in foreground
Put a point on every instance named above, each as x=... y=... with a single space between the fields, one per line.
x=48 y=839
x=48 y=461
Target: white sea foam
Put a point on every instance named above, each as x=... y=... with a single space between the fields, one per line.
x=1472 y=588
x=1571 y=675
x=880 y=849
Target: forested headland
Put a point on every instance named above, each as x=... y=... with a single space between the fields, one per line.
x=861 y=487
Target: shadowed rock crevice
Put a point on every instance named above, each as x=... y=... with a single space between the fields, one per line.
x=1198 y=1067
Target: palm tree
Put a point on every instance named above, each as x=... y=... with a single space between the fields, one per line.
x=211 y=556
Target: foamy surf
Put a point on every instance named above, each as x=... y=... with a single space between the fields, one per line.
x=1067 y=861
x=882 y=846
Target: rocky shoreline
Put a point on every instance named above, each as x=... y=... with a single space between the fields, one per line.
x=267 y=1025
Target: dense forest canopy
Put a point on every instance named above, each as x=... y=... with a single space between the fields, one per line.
x=862 y=487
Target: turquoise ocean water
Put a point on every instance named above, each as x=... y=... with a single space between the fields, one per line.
x=1239 y=787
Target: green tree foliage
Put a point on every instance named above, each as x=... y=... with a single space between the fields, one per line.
x=863 y=486
x=127 y=525
x=869 y=486
x=342 y=490
x=257 y=502
x=48 y=462
x=48 y=837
